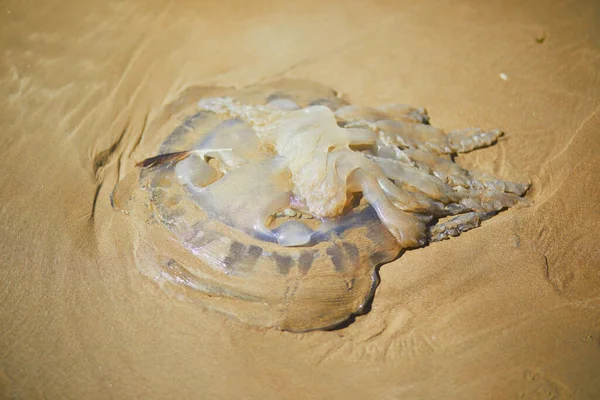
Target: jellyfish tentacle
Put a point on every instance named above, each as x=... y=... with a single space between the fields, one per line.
x=469 y=139
x=457 y=225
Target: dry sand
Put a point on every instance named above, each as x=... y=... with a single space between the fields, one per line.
x=508 y=310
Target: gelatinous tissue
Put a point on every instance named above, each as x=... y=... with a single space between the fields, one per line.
x=277 y=203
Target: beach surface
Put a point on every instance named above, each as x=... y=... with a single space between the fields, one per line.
x=508 y=310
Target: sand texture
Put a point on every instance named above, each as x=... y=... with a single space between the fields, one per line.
x=508 y=310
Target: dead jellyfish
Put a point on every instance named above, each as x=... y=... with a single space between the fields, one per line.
x=277 y=203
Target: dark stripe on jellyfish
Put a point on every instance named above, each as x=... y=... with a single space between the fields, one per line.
x=234 y=256
x=254 y=252
x=284 y=263
x=343 y=257
x=336 y=253
x=352 y=253
x=251 y=255
x=305 y=261
x=241 y=258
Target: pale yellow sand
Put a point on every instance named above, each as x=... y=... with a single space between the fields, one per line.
x=506 y=310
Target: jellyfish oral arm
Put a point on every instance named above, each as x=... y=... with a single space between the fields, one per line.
x=329 y=161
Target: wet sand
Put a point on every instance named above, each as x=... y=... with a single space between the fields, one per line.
x=508 y=310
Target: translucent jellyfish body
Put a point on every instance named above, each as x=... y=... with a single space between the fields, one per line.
x=277 y=203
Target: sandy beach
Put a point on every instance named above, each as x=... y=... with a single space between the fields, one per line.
x=508 y=310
